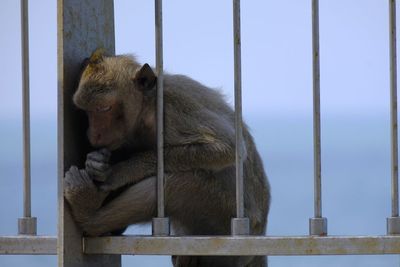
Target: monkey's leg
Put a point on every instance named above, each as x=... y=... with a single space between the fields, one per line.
x=203 y=206
x=184 y=261
x=258 y=261
x=136 y=204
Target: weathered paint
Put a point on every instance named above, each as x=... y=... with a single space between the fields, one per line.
x=28 y=245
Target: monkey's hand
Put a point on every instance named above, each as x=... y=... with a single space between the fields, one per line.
x=82 y=194
x=97 y=165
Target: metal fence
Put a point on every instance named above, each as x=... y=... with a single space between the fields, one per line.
x=93 y=22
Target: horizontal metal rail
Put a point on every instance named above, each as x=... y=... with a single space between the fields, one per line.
x=28 y=245
x=243 y=245
x=210 y=245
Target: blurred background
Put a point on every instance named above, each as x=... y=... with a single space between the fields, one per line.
x=277 y=105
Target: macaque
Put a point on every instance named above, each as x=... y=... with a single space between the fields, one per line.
x=117 y=186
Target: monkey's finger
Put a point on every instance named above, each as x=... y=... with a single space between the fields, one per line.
x=106 y=153
x=67 y=179
x=99 y=166
x=71 y=176
x=75 y=173
x=95 y=156
x=86 y=179
x=98 y=156
x=84 y=175
x=98 y=171
x=98 y=174
x=73 y=181
x=73 y=169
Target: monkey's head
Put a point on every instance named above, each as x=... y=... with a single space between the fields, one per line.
x=112 y=92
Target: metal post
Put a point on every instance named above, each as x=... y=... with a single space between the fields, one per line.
x=240 y=224
x=26 y=224
x=393 y=223
x=160 y=225
x=318 y=224
x=83 y=26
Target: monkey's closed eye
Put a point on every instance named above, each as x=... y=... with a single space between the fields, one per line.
x=103 y=109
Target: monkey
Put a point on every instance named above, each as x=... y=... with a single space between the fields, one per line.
x=117 y=186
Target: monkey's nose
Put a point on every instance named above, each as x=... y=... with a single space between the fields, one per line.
x=95 y=139
x=98 y=138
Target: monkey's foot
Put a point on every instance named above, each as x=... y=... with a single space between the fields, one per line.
x=82 y=194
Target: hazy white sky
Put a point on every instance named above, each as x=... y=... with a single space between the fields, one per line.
x=277 y=81
x=276 y=52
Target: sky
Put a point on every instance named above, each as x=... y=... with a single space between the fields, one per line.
x=276 y=52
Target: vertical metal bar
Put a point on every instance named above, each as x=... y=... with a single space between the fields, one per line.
x=238 y=109
x=83 y=26
x=393 y=108
x=161 y=223
x=317 y=224
x=240 y=224
x=393 y=223
x=160 y=109
x=27 y=224
x=317 y=119
x=25 y=107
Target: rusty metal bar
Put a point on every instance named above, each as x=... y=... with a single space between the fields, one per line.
x=160 y=223
x=240 y=224
x=318 y=224
x=26 y=224
x=393 y=223
x=28 y=245
x=243 y=245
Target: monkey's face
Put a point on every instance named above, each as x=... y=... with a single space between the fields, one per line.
x=105 y=112
x=106 y=125
x=111 y=110
x=111 y=93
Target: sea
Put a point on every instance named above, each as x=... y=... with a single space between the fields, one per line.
x=355 y=183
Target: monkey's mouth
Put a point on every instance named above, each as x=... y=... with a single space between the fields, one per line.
x=110 y=146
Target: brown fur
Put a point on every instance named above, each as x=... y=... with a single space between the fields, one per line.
x=199 y=158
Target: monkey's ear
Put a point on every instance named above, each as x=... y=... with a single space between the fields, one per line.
x=97 y=56
x=145 y=79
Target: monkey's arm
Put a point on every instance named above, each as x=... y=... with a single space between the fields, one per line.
x=209 y=147
x=137 y=204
